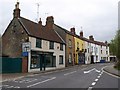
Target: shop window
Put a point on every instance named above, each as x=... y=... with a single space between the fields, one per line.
x=50 y=61
x=35 y=62
x=60 y=59
x=51 y=46
x=38 y=43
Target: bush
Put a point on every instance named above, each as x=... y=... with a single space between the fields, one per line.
x=117 y=65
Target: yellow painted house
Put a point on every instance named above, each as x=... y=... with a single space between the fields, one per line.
x=79 y=49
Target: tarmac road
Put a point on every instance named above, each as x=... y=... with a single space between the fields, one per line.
x=88 y=76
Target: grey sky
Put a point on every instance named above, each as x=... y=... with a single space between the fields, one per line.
x=97 y=17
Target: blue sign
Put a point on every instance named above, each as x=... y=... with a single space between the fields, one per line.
x=24 y=53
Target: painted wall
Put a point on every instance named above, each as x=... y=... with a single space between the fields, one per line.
x=45 y=47
x=80 y=46
x=87 y=54
x=70 y=49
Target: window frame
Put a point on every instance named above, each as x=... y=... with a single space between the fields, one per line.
x=61 y=47
x=38 y=43
x=61 y=63
x=51 y=45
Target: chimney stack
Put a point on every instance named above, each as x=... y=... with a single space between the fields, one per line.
x=40 y=22
x=81 y=33
x=72 y=30
x=16 y=13
x=91 y=38
x=50 y=22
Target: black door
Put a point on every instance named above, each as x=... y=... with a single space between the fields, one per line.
x=92 y=59
x=42 y=62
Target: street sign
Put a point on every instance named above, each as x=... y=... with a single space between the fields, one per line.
x=26 y=47
x=24 y=53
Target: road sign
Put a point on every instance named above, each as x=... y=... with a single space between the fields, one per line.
x=26 y=47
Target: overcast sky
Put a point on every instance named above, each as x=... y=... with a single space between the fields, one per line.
x=96 y=17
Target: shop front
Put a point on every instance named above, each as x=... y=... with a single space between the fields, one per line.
x=42 y=60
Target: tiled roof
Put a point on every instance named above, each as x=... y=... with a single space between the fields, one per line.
x=39 y=31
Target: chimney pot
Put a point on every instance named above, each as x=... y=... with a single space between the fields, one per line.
x=16 y=13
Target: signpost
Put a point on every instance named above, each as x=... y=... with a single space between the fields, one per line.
x=26 y=47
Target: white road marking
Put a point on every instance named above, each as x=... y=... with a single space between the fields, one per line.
x=70 y=73
x=98 y=76
x=90 y=88
x=31 y=81
x=96 y=80
x=93 y=83
x=10 y=87
x=21 y=81
x=112 y=74
x=41 y=82
x=109 y=73
x=16 y=87
x=91 y=70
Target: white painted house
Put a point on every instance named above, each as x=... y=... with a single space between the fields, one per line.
x=47 y=48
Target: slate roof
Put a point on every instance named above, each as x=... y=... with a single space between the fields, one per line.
x=39 y=31
x=83 y=38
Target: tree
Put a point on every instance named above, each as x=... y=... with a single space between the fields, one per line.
x=115 y=48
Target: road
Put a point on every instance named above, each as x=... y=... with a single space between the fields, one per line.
x=82 y=76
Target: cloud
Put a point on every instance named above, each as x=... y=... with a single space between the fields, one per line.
x=97 y=17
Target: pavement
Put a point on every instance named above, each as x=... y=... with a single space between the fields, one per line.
x=7 y=77
x=13 y=76
x=110 y=69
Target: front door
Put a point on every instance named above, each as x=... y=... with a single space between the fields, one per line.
x=42 y=62
x=92 y=59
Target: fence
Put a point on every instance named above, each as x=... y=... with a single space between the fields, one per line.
x=10 y=65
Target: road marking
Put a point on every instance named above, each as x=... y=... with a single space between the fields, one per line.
x=21 y=81
x=31 y=81
x=112 y=74
x=109 y=73
x=8 y=86
x=93 y=83
x=90 y=88
x=98 y=76
x=96 y=80
x=91 y=70
x=70 y=73
x=16 y=87
x=41 y=82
